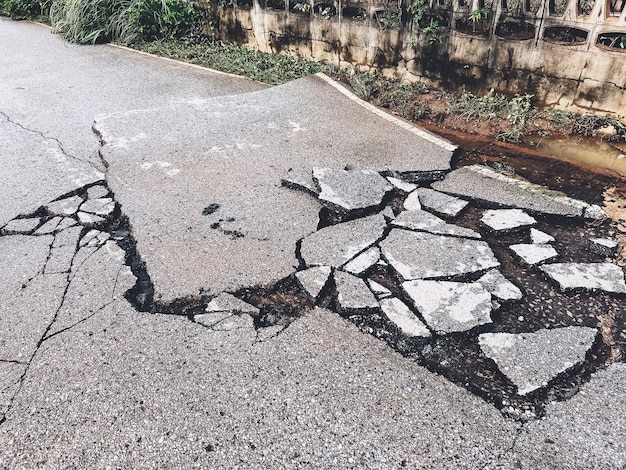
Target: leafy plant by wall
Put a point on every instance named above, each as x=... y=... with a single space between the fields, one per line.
x=91 y=21
x=24 y=9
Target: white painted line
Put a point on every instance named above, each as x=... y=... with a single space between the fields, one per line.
x=379 y=112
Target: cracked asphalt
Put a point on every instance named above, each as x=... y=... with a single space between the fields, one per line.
x=101 y=365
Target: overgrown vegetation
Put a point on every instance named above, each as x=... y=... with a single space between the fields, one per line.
x=26 y=9
x=267 y=68
x=128 y=21
x=505 y=119
x=518 y=111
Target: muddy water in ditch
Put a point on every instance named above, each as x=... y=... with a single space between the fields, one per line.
x=591 y=152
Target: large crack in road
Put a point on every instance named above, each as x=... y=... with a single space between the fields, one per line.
x=91 y=221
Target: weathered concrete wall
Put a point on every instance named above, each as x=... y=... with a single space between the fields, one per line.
x=560 y=57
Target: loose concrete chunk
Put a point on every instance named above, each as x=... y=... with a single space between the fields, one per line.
x=450 y=306
x=506 y=220
x=427 y=222
x=313 y=280
x=67 y=206
x=441 y=203
x=499 y=286
x=603 y=246
x=94 y=238
x=86 y=218
x=351 y=190
x=399 y=314
x=102 y=206
x=417 y=255
x=534 y=254
x=97 y=192
x=50 y=226
x=540 y=238
x=353 y=293
x=401 y=185
x=412 y=202
x=531 y=360
x=22 y=225
x=380 y=291
x=605 y=277
x=594 y=212
x=364 y=261
x=229 y=303
x=337 y=244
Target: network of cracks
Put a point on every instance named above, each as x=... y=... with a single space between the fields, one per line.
x=463 y=289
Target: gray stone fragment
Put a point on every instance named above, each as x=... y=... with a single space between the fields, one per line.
x=67 y=206
x=226 y=302
x=364 y=261
x=594 y=212
x=534 y=254
x=417 y=255
x=539 y=237
x=86 y=218
x=506 y=220
x=313 y=280
x=531 y=360
x=401 y=185
x=380 y=291
x=353 y=293
x=606 y=277
x=450 y=306
x=102 y=206
x=427 y=222
x=603 y=246
x=351 y=190
x=97 y=192
x=484 y=184
x=398 y=313
x=412 y=202
x=94 y=238
x=50 y=226
x=499 y=286
x=22 y=225
x=441 y=203
x=337 y=244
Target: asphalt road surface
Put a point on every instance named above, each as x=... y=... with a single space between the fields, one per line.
x=90 y=380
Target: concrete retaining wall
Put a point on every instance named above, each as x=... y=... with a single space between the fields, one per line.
x=564 y=56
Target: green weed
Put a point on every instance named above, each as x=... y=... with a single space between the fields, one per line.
x=25 y=9
x=129 y=21
x=267 y=68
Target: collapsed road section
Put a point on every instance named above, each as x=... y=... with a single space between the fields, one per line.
x=441 y=279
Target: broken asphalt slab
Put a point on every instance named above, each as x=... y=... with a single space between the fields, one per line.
x=166 y=165
x=492 y=188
